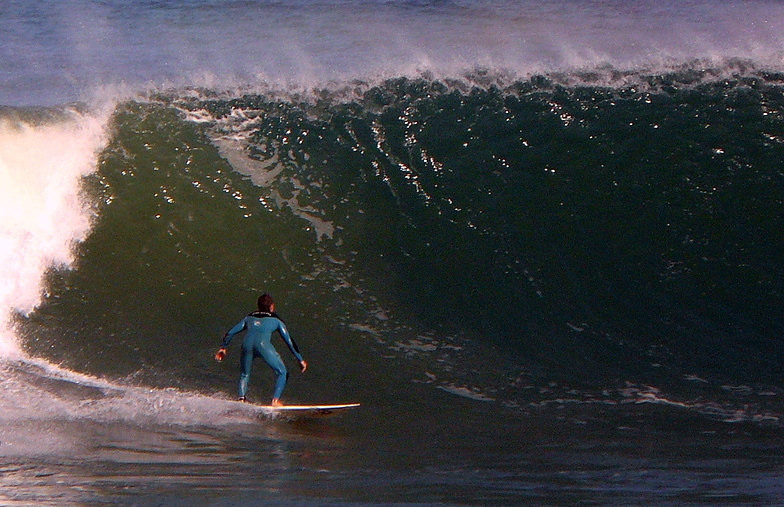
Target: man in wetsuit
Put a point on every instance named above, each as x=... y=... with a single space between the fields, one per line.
x=257 y=343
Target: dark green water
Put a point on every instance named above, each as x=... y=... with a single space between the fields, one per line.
x=581 y=232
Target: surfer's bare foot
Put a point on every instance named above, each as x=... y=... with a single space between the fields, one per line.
x=277 y=403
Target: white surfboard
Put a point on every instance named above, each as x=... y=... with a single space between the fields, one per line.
x=306 y=411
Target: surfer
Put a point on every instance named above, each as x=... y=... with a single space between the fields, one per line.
x=257 y=343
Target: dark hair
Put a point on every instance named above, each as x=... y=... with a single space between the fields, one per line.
x=265 y=303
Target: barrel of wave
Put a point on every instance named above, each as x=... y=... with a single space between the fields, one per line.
x=42 y=216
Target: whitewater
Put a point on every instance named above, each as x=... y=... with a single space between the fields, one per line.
x=538 y=241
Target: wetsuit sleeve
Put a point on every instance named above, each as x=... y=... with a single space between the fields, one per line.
x=287 y=338
x=231 y=332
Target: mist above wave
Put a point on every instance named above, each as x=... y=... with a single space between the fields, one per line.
x=78 y=48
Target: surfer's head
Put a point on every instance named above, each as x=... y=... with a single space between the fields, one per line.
x=266 y=304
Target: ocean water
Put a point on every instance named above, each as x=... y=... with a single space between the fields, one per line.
x=540 y=242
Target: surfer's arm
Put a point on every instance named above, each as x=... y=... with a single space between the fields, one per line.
x=231 y=332
x=292 y=346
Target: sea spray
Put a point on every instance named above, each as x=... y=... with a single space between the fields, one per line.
x=41 y=212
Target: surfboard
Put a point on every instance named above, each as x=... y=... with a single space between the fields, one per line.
x=306 y=411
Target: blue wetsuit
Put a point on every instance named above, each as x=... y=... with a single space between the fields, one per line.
x=257 y=343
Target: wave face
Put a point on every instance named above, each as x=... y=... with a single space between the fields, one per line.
x=484 y=240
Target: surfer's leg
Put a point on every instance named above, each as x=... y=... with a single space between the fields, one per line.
x=246 y=361
x=283 y=377
x=276 y=363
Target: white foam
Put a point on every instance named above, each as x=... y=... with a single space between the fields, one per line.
x=41 y=210
x=46 y=410
x=36 y=390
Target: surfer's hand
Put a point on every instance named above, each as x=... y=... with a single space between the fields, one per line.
x=220 y=355
x=303 y=365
